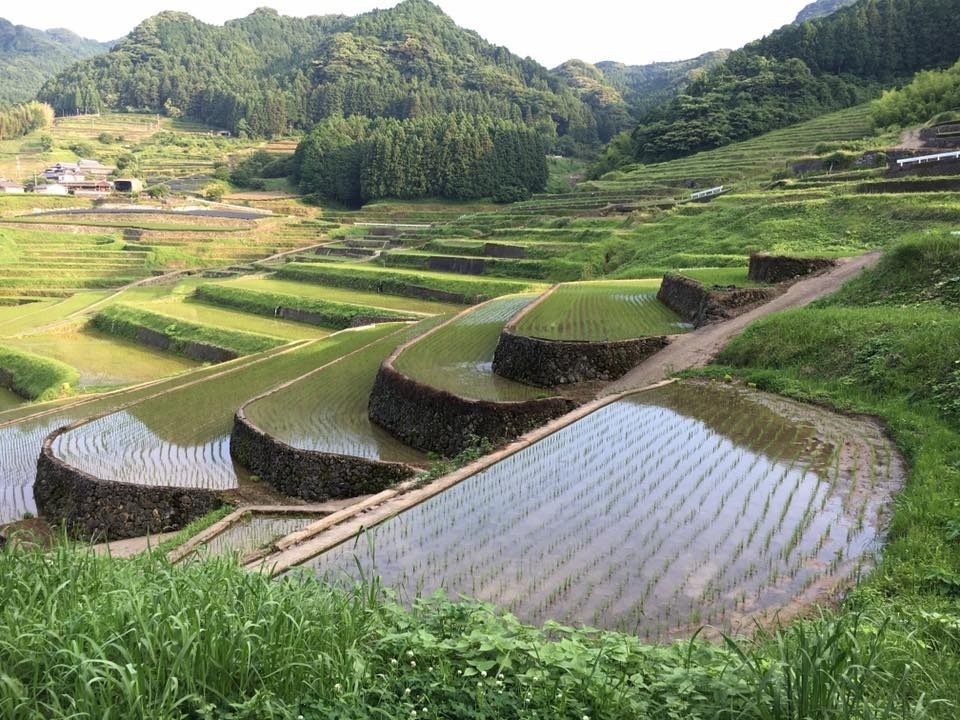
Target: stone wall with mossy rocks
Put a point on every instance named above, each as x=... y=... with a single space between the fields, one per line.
x=437 y=421
x=93 y=509
x=699 y=305
x=546 y=363
x=781 y=268
x=309 y=474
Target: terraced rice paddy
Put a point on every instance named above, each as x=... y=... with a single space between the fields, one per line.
x=18 y=319
x=684 y=506
x=458 y=356
x=342 y=295
x=181 y=438
x=9 y=400
x=102 y=359
x=204 y=314
x=22 y=432
x=252 y=533
x=602 y=311
x=720 y=276
x=327 y=410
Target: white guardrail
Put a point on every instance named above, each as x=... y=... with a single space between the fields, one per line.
x=920 y=159
x=707 y=193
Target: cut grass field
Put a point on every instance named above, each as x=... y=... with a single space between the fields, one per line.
x=457 y=357
x=601 y=311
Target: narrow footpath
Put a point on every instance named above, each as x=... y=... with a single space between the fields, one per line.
x=697 y=348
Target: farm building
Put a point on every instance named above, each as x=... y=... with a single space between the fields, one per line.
x=52 y=189
x=76 y=172
x=128 y=185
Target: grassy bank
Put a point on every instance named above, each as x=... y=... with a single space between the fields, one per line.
x=328 y=314
x=889 y=345
x=133 y=323
x=82 y=636
x=401 y=282
x=35 y=377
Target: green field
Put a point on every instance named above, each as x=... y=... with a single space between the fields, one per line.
x=205 y=314
x=601 y=311
x=102 y=359
x=340 y=295
x=9 y=400
x=457 y=357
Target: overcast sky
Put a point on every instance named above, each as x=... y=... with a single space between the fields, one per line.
x=629 y=31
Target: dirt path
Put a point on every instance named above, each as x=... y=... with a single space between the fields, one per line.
x=697 y=348
x=911 y=140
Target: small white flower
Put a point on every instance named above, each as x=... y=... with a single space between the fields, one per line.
x=337 y=688
x=483 y=673
x=393 y=661
x=407 y=691
x=413 y=663
x=409 y=653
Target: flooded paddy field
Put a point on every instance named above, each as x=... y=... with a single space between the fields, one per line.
x=9 y=400
x=602 y=311
x=688 y=505
x=181 y=438
x=458 y=357
x=253 y=532
x=103 y=359
x=326 y=411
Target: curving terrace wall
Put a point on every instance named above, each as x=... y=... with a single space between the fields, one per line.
x=438 y=421
x=323 y=319
x=89 y=507
x=700 y=306
x=546 y=363
x=780 y=268
x=309 y=474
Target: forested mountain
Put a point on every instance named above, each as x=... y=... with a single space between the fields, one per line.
x=821 y=8
x=796 y=73
x=266 y=73
x=646 y=86
x=29 y=56
x=617 y=93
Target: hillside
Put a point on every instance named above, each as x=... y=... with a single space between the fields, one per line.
x=799 y=72
x=28 y=57
x=821 y=8
x=265 y=74
x=616 y=92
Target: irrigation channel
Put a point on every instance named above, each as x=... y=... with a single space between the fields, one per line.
x=686 y=505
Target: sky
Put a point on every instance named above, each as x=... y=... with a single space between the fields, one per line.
x=635 y=32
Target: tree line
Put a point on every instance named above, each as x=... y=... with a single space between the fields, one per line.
x=458 y=156
x=21 y=119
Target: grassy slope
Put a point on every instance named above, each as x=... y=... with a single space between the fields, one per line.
x=889 y=345
x=35 y=377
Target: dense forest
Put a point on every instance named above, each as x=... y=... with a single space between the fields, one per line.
x=457 y=155
x=25 y=118
x=933 y=95
x=266 y=74
x=29 y=56
x=796 y=73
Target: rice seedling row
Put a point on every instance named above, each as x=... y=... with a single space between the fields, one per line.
x=601 y=311
x=458 y=357
x=181 y=438
x=648 y=518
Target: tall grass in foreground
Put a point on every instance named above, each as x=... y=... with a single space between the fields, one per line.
x=89 y=637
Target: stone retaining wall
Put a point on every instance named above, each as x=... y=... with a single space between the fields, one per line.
x=462 y=266
x=696 y=304
x=437 y=421
x=499 y=250
x=201 y=352
x=779 y=268
x=91 y=508
x=546 y=363
x=309 y=474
